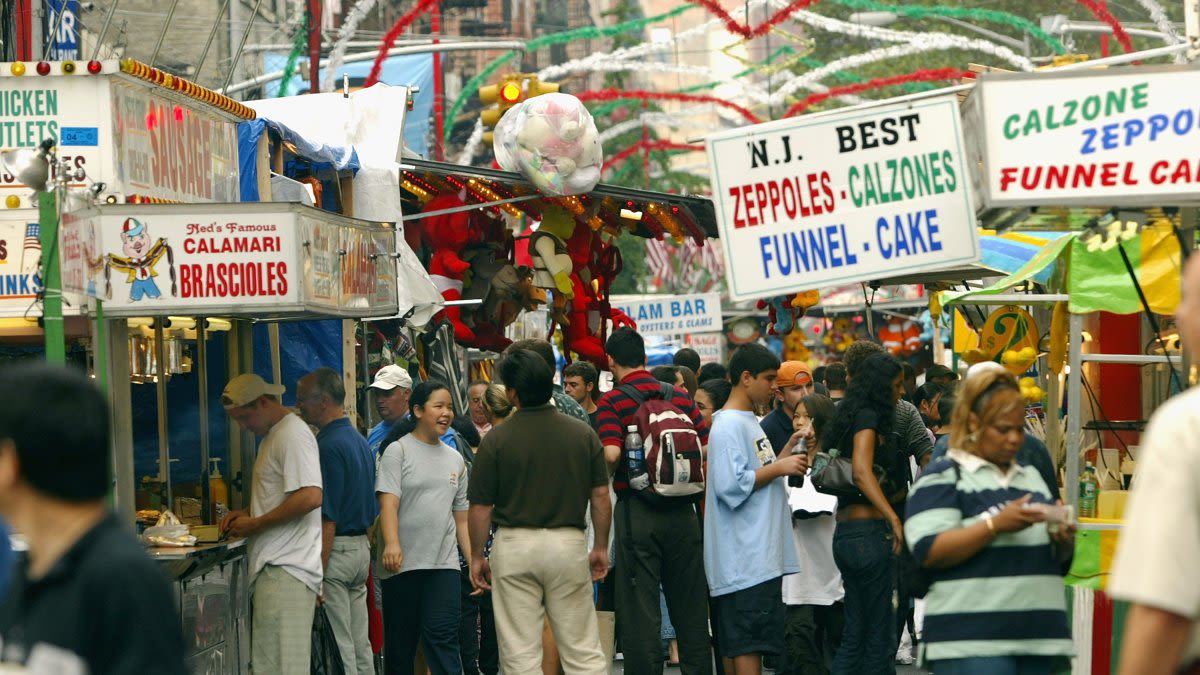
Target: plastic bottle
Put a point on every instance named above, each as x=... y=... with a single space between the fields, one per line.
x=218 y=492
x=1089 y=490
x=635 y=453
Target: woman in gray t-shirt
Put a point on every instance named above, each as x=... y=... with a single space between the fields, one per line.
x=422 y=490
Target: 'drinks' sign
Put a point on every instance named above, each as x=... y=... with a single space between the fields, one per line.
x=830 y=199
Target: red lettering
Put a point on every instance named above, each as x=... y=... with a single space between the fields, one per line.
x=773 y=197
x=738 y=222
x=828 y=190
x=1156 y=172
x=1108 y=174
x=746 y=190
x=282 y=287
x=760 y=196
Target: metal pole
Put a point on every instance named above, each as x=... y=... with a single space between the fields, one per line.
x=1074 y=409
x=314 y=46
x=112 y=9
x=163 y=33
x=1125 y=58
x=160 y=388
x=211 y=36
x=53 y=37
x=241 y=45
x=206 y=508
x=52 y=316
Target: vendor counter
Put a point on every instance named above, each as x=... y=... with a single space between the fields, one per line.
x=211 y=587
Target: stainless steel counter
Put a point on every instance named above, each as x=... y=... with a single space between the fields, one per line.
x=211 y=585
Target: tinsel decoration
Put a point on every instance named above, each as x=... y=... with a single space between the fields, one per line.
x=878 y=83
x=1013 y=21
x=299 y=44
x=642 y=95
x=337 y=56
x=393 y=33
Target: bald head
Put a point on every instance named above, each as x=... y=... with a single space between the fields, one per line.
x=1187 y=315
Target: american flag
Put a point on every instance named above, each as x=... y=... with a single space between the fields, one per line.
x=32 y=252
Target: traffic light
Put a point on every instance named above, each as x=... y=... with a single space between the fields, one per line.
x=509 y=91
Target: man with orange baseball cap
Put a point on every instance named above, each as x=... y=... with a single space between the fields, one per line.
x=794 y=382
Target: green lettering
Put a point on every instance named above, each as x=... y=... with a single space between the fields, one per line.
x=1010 y=126
x=1140 y=98
x=1033 y=123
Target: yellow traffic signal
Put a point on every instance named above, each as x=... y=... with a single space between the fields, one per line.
x=511 y=90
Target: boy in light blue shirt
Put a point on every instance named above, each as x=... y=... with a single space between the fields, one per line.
x=747 y=525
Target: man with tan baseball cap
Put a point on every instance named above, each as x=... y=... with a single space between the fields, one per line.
x=392 y=388
x=283 y=525
x=794 y=382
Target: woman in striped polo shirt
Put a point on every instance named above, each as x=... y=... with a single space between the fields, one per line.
x=980 y=525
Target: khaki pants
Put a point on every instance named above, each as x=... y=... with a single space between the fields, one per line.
x=346 y=602
x=281 y=626
x=544 y=572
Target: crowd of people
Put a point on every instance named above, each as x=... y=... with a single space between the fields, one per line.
x=684 y=495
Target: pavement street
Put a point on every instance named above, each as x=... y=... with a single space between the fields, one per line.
x=900 y=670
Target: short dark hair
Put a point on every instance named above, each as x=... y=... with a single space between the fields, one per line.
x=751 y=358
x=857 y=352
x=690 y=381
x=58 y=422
x=718 y=390
x=835 y=376
x=687 y=357
x=626 y=348
x=583 y=370
x=820 y=409
x=527 y=374
x=945 y=406
x=664 y=373
x=467 y=430
x=927 y=392
x=712 y=371
x=405 y=426
x=329 y=382
x=818 y=374
x=539 y=347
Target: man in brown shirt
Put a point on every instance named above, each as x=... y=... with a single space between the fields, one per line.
x=533 y=477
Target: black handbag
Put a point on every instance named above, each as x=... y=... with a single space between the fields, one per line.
x=833 y=474
x=326 y=659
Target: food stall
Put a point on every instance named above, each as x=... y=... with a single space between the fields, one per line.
x=234 y=263
x=1059 y=143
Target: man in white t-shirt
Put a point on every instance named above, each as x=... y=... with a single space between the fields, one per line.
x=1159 y=549
x=283 y=526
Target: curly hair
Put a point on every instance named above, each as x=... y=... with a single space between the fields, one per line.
x=870 y=389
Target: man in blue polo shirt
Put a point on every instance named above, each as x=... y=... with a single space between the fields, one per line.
x=392 y=388
x=348 y=508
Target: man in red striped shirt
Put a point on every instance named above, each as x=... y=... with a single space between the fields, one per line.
x=656 y=543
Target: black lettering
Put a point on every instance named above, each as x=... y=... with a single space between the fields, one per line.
x=846 y=139
x=758 y=153
x=910 y=122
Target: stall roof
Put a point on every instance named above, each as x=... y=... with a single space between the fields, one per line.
x=699 y=208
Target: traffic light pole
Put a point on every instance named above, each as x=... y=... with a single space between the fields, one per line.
x=52 y=315
x=439 y=87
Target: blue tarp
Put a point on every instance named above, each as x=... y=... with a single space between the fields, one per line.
x=304 y=346
x=398 y=71
x=320 y=156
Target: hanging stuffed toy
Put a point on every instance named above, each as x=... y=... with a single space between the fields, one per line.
x=447 y=235
x=594 y=264
x=840 y=336
x=785 y=310
x=551 y=262
x=900 y=337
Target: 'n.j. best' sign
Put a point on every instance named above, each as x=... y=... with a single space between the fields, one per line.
x=1119 y=136
x=834 y=198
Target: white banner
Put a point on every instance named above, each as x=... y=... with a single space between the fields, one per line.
x=1122 y=136
x=228 y=259
x=672 y=314
x=848 y=196
x=20 y=251
x=710 y=346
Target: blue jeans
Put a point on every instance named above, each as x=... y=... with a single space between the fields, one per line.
x=996 y=665
x=422 y=605
x=862 y=550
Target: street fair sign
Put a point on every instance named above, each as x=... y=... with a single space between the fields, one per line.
x=672 y=314
x=847 y=196
x=264 y=259
x=1117 y=136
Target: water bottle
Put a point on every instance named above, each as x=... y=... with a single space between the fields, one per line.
x=635 y=453
x=1089 y=488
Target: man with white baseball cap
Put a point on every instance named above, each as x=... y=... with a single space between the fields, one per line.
x=393 y=387
x=283 y=525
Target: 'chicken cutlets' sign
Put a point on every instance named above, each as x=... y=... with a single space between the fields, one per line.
x=849 y=196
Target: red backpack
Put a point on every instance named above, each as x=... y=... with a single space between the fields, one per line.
x=674 y=464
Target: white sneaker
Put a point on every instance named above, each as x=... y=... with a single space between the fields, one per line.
x=904 y=656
